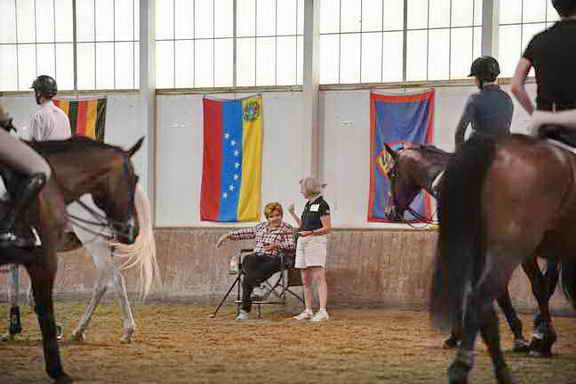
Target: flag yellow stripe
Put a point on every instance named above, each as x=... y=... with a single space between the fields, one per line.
x=64 y=105
x=91 y=114
x=250 y=190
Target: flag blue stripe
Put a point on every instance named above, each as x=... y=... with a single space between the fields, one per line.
x=231 y=175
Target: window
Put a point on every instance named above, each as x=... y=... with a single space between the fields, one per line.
x=520 y=20
x=36 y=38
x=364 y=41
x=196 y=41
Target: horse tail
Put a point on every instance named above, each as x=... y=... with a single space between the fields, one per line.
x=460 y=250
x=142 y=253
x=569 y=280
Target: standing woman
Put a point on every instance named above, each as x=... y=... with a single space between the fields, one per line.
x=314 y=226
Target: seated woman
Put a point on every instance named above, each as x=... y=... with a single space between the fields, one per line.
x=272 y=238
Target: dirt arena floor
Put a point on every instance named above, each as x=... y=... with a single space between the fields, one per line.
x=179 y=343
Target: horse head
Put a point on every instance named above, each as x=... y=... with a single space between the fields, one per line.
x=115 y=196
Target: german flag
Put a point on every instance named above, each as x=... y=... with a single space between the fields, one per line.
x=87 y=117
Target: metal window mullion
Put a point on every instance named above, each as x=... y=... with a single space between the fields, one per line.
x=522 y=26
x=74 y=45
x=17 y=55
x=234 y=44
x=361 y=29
x=339 y=39
x=405 y=43
x=114 y=38
x=95 y=50
x=194 y=43
x=450 y=44
x=174 y=43
x=473 y=28
x=276 y=43
x=35 y=38
x=382 y=47
x=428 y=40
x=54 y=17
x=134 y=45
x=255 y=42
x=296 y=31
x=213 y=44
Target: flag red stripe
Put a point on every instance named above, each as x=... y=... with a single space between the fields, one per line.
x=212 y=161
x=81 y=120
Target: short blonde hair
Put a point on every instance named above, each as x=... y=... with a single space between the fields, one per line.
x=271 y=207
x=311 y=186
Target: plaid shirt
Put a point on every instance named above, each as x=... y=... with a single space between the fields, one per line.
x=266 y=235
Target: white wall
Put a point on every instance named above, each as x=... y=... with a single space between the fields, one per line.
x=122 y=123
x=179 y=161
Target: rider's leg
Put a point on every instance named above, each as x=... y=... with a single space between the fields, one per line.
x=22 y=158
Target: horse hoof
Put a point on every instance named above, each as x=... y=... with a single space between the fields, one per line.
x=540 y=354
x=458 y=373
x=450 y=343
x=126 y=340
x=521 y=346
x=78 y=338
x=63 y=379
x=59 y=332
x=503 y=376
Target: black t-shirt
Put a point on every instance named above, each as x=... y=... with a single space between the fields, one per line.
x=313 y=211
x=553 y=56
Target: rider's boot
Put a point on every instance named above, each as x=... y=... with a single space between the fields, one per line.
x=26 y=196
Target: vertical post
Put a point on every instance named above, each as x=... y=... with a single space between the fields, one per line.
x=490 y=21
x=310 y=87
x=147 y=93
x=74 y=43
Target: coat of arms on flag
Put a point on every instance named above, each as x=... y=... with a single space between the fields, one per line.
x=232 y=160
x=87 y=116
x=398 y=121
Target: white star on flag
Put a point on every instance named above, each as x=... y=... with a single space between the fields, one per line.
x=235 y=177
x=231 y=187
x=236 y=153
x=224 y=195
x=233 y=142
x=236 y=165
x=226 y=136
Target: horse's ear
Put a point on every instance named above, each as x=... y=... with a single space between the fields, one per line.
x=391 y=151
x=135 y=147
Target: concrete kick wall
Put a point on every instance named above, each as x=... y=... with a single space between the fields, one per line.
x=390 y=268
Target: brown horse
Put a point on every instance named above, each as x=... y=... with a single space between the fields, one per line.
x=501 y=203
x=81 y=166
x=419 y=168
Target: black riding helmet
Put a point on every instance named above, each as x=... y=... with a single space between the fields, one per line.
x=565 y=8
x=485 y=68
x=45 y=86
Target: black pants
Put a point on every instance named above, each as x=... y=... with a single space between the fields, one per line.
x=257 y=268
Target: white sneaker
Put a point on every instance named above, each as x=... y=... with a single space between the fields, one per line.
x=242 y=315
x=320 y=316
x=305 y=315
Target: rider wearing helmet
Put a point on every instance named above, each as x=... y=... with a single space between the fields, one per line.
x=552 y=53
x=490 y=110
x=49 y=122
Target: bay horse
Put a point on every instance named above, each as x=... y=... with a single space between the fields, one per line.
x=416 y=168
x=110 y=259
x=84 y=166
x=500 y=204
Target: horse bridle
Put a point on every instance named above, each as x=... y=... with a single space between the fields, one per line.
x=118 y=227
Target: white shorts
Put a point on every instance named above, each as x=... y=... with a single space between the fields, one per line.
x=311 y=251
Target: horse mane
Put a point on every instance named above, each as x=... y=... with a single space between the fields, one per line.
x=76 y=143
x=429 y=148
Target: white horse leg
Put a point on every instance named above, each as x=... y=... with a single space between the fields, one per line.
x=122 y=297
x=100 y=288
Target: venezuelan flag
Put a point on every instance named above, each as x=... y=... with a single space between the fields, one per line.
x=232 y=163
x=87 y=117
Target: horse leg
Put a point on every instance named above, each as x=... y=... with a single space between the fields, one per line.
x=15 y=325
x=122 y=297
x=544 y=335
x=505 y=303
x=42 y=280
x=455 y=334
x=79 y=334
x=479 y=315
